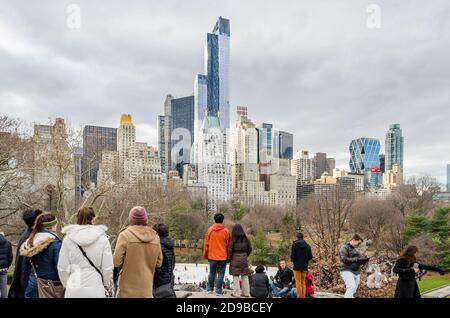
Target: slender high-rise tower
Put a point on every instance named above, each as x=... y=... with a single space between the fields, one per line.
x=200 y=98
x=212 y=90
x=164 y=135
x=394 y=147
x=217 y=68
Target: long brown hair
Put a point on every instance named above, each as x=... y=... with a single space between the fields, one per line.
x=409 y=253
x=238 y=234
x=85 y=216
x=38 y=227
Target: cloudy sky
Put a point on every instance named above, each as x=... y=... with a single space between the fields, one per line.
x=312 y=67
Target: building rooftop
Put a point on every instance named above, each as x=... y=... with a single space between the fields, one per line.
x=211 y=121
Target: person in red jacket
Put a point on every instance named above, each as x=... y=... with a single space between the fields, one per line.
x=215 y=250
x=309 y=287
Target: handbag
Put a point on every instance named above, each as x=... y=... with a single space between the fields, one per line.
x=164 y=291
x=48 y=288
x=108 y=291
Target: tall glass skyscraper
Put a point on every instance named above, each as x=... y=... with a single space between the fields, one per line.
x=264 y=142
x=394 y=147
x=217 y=67
x=164 y=134
x=212 y=91
x=283 y=144
x=200 y=102
x=182 y=111
x=96 y=140
x=364 y=154
x=365 y=158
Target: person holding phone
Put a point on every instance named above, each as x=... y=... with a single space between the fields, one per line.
x=407 y=269
x=351 y=261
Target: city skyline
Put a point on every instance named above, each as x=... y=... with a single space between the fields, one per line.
x=277 y=74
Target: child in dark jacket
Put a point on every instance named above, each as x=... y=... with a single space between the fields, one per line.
x=260 y=286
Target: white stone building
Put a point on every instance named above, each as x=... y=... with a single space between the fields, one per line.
x=282 y=183
x=247 y=187
x=303 y=167
x=133 y=163
x=214 y=169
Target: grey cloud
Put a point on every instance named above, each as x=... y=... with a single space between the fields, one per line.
x=309 y=67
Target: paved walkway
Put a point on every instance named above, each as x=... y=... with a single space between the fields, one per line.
x=186 y=294
x=441 y=292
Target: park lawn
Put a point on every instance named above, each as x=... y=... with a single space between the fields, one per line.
x=433 y=281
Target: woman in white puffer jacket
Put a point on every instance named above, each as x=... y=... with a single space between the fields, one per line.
x=78 y=276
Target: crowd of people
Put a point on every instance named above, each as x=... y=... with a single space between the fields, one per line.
x=83 y=265
x=222 y=247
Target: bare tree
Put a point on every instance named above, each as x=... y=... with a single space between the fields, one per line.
x=415 y=195
x=324 y=222
x=54 y=147
x=16 y=170
x=372 y=218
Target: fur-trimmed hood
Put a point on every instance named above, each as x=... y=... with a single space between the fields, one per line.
x=41 y=241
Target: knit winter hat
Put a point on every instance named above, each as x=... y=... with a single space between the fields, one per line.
x=29 y=216
x=138 y=216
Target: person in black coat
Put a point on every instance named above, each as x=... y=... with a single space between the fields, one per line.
x=407 y=267
x=20 y=279
x=6 y=258
x=260 y=286
x=283 y=280
x=164 y=275
x=300 y=255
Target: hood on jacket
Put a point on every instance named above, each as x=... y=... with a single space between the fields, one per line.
x=3 y=239
x=217 y=227
x=84 y=235
x=41 y=241
x=144 y=234
x=300 y=243
x=167 y=242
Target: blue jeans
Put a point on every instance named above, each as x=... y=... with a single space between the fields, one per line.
x=293 y=293
x=3 y=286
x=32 y=288
x=219 y=268
x=279 y=290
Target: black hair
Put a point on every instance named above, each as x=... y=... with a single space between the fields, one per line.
x=161 y=229
x=259 y=269
x=299 y=236
x=218 y=218
x=29 y=216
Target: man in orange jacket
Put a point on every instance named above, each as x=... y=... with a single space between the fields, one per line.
x=215 y=250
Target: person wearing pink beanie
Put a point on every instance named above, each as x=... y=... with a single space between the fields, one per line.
x=137 y=255
x=138 y=216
